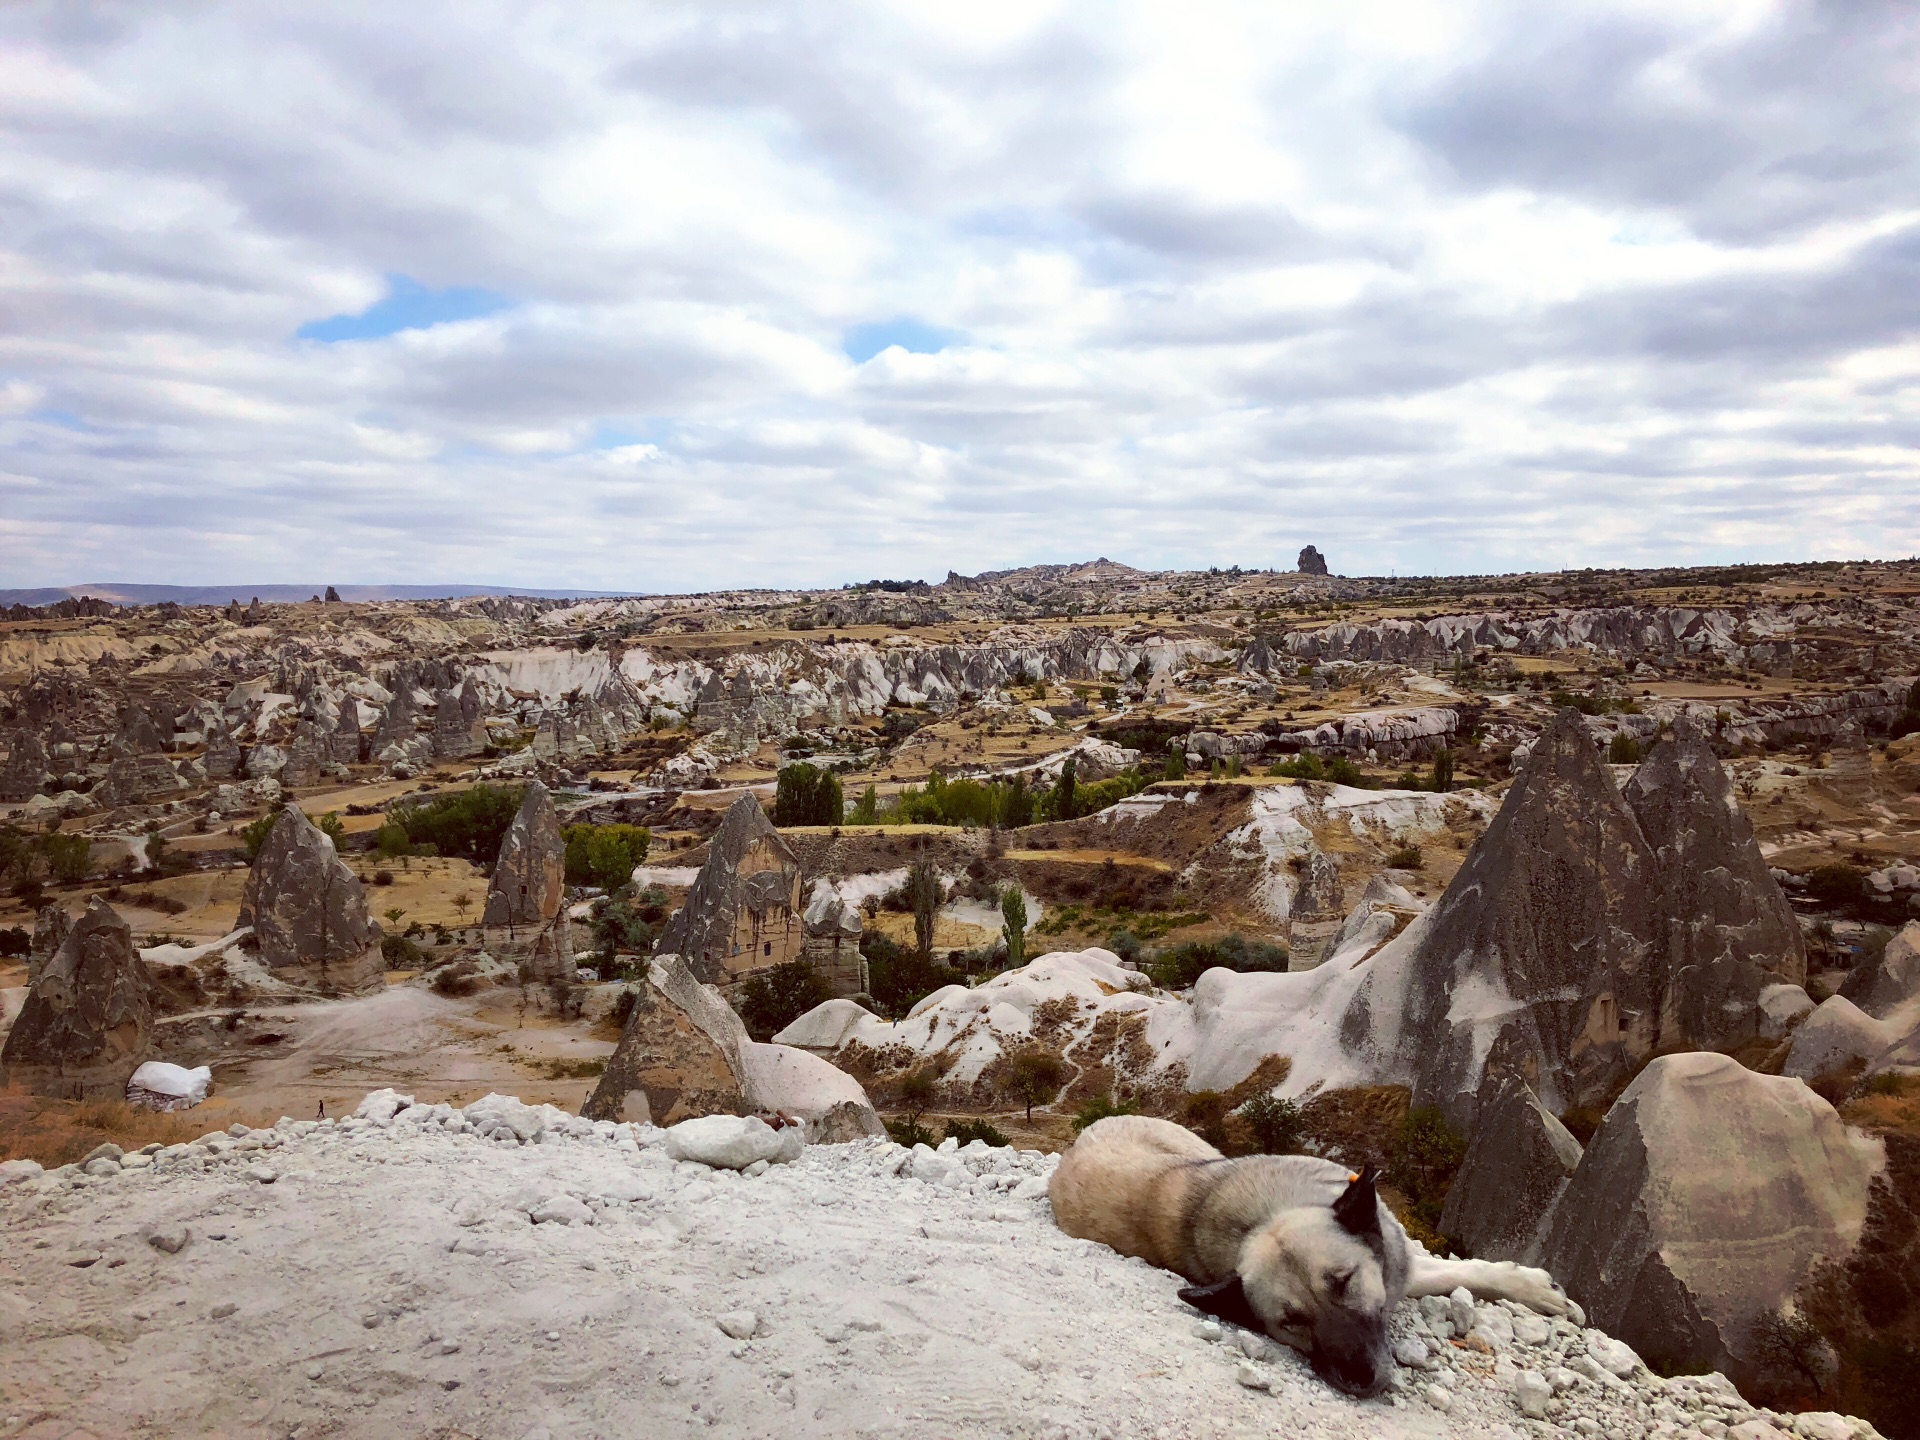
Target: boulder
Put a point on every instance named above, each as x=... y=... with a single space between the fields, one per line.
x=88 y=1019
x=222 y=759
x=1707 y=1195
x=308 y=911
x=459 y=722
x=26 y=773
x=530 y=875
x=681 y=1050
x=1836 y=1034
x=1518 y=1161
x=1890 y=981
x=825 y=1028
x=787 y=1081
x=848 y=1121
x=1781 y=1008
x=1311 y=561
x=732 y=1142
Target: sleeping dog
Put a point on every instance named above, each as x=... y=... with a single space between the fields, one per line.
x=1292 y=1246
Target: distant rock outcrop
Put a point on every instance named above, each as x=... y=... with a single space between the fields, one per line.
x=26 y=774
x=1312 y=562
x=50 y=930
x=88 y=1020
x=1706 y=1197
x=459 y=723
x=530 y=874
x=308 y=911
x=743 y=911
x=1518 y=1163
x=832 y=944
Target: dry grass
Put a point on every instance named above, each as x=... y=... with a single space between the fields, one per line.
x=59 y=1132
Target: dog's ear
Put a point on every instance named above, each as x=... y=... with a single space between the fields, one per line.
x=1226 y=1300
x=1358 y=1208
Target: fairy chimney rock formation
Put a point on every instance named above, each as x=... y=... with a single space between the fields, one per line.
x=50 y=930
x=530 y=875
x=743 y=912
x=308 y=911
x=1516 y=1166
x=1312 y=562
x=88 y=1020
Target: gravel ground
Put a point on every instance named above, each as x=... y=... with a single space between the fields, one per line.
x=385 y=1277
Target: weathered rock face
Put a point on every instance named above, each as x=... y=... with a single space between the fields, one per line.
x=133 y=778
x=552 y=961
x=50 y=930
x=1836 y=1034
x=1892 y=980
x=832 y=944
x=1586 y=933
x=459 y=723
x=309 y=911
x=1317 y=913
x=1541 y=951
x=308 y=756
x=1729 y=930
x=679 y=1056
x=530 y=876
x=26 y=773
x=1517 y=1163
x=88 y=1020
x=743 y=911
x=1312 y=562
x=223 y=759
x=1705 y=1198
x=139 y=735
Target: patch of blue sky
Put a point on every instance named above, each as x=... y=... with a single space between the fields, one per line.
x=407 y=305
x=863 y=342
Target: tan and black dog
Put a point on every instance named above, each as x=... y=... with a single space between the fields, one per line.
x=1293 y=1246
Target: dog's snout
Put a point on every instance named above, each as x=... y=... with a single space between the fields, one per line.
x=1361 y=1376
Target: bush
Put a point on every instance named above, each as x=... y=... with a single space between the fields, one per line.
x=1277 y=1125
x=469 y=823
x=626 y=921
x=1407 y=857
x=255 y=835
x=1179 y=966
x=398 y=952
x=455 y=979
x=383 y=877
x=1035 y=1076
x=1623 y=749
x=15 y=941
x=1422 y=1158
x=990 y=803
x=967 y=1131
x=773 y=999
x=390 y=840
x=605 y=855
x=334 y=828
x=1837 y=886
x=807 y=795
x=624 y=1007
x=69 y=857
x=899 y=978
x=1101 y=1109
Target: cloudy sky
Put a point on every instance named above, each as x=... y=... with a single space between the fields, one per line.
x=660 y=297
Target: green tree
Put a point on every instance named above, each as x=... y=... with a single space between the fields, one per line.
x=1623 y=749
x=807 y=795
x=156 y=846
x=867 y=809
x=1422 y=1159
x=1063 y=793
x=1013 y=925
x=923 y=899
x=1441 y=780
x=773 y=999
x=605 y=855
x=255 y=834
x=1278 y=1125
x=334 y=828
x=391 y=841
x=468 y=823
x=69 y=857
x=1035 y=1076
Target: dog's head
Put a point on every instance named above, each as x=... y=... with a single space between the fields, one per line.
x=1322 y=1280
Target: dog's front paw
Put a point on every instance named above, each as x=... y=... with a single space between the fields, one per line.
x=1538 y=1290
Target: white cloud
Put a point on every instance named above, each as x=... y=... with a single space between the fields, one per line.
x=1435 y=286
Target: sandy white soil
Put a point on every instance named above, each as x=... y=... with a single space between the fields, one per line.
x=369 y=1280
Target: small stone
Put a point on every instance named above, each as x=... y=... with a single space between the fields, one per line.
x=1531 y=1329
x=449 y=1384
x=108 y=1151
x=1206 y=1330
x=1252 y=1376
x=1253 y=1346
x=553 y=1336
x=81 y=1259
x=1460 y=1309
x=101 y=1169
x=222 y=1310
x=314 y=1372
x=1613 y=1356
x=1413 y=1353
x=373 y=1320
x=1436 y=1397
x=136 y=1161
x=449 y=1347
x=1822 y=1425
x=562 y=1210
x=1561 y=1378
x=738 y=1324
x=757 y=1169
x=1531 y=1392
x=13 y=1172
x=169 y=1239
x=263 y=1174
x=1754 y=1430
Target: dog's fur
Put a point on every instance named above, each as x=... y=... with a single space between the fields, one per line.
x=1292 y=1245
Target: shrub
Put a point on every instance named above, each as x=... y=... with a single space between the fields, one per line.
x=398 y=952
x=1837 y=885
x=923 y=898
x=1422 y=1158
x=468 y=823
x=390 y=840
x=1013 y=925
x=1035 y=1076
x=967 y=1131
x=575 y=1069
x=624 y=1007
x=455 y=979
x=1101 y=1109
x=69 y=857
x=773 y=999
x=1407 y=857
x=1179 y=966
x=897 y=977
x=255 y=835
x=1304 y=766
x=1277 y=1126
x=334 y=828
x=383 y=877
x=605 y=855
x=626 y=921
x=807 y=795
x=15 y=941
x=1623 y=749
